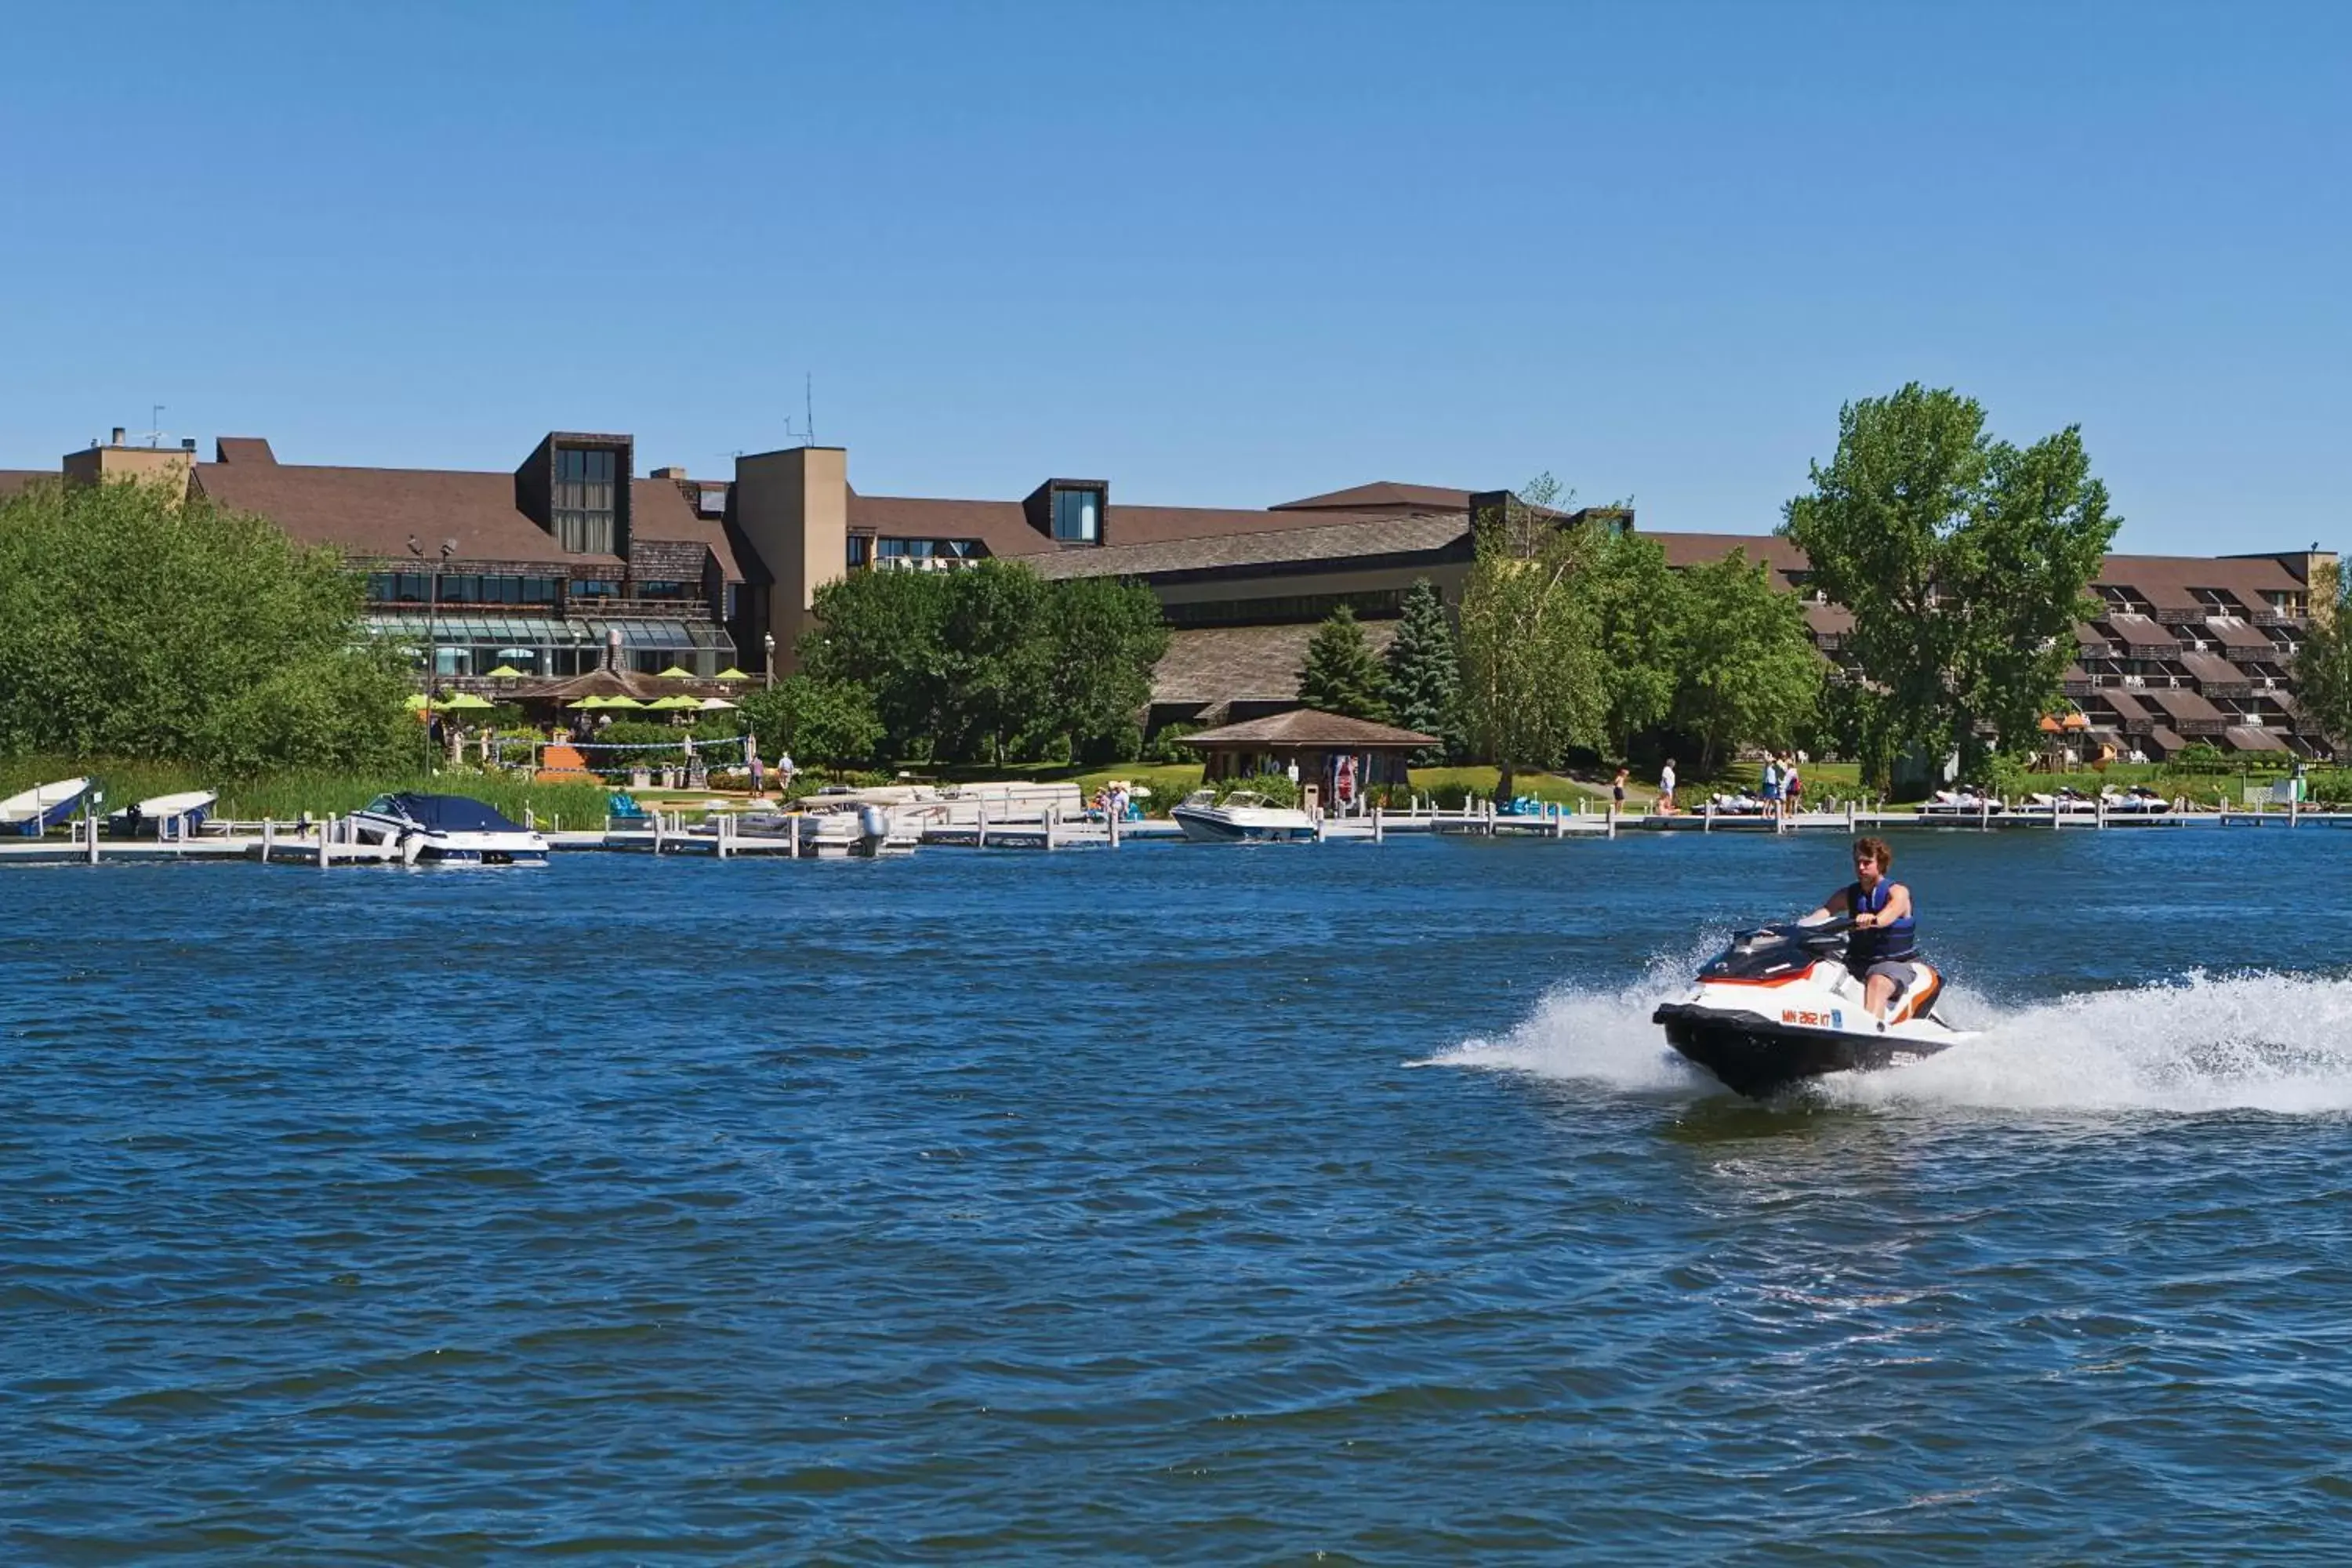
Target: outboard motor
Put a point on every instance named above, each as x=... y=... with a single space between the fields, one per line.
x=873 y=827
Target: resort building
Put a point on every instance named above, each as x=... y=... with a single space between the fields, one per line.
x=565 y=565
x=571 y=562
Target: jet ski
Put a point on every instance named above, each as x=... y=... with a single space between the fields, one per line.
x=1778 y=1006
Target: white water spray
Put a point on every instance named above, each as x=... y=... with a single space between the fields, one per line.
x=2274 y=1043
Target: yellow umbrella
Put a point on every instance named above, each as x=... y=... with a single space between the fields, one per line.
x=505 y=673
x=466 y=701
x=591 y=702
x=730 y=673
x=416 y=702
x=675 y=673
x=622 y=702
x=679 y=702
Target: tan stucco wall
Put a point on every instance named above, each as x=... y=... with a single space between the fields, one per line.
x=168 y=466
x=794 y=506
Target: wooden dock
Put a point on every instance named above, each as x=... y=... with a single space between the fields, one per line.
x=329 y=842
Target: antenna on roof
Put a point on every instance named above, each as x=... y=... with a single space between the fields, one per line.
x=808 y=403
x=154 y=424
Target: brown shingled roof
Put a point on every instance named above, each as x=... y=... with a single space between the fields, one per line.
x=1384 y=495
x=1236 y=664
x=1310 y=727
x=1327 y=541
x=1003 y=527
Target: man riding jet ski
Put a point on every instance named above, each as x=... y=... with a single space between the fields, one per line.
x=1839 y=991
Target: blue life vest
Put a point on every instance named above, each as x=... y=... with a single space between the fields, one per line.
x=1889 y=943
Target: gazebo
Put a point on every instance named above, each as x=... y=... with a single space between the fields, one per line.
x=1341 y=756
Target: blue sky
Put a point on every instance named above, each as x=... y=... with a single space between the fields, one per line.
x=1218 y=254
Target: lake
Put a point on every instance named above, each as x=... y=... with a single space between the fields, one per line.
x=1182 y=1203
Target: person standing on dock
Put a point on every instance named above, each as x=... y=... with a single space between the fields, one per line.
x=759 y=769
x=1617 y=788
x=1666 y=789
x=1792 y=787
x=1769 y=783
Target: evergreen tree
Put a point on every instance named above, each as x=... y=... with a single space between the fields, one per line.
x=1342 y=675
x=1424 y=673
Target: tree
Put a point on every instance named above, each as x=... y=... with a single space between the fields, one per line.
x=1635 y=601
x=1103 y=634
x=993 y=685
x=1424 y=673
x=1342 y=675
x=887 y=632
x=830 y=722
x=1531 y=682
x=2322 y=665
x=1965 y=561
x=136 y=621
x=1748 y=671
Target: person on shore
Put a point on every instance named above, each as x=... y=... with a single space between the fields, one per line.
x=1617 y=788
x=784 y=771
x=1793 y=786
x=759 y=769
x=1885 y=937
x=1770 y=784
x=1666 y=789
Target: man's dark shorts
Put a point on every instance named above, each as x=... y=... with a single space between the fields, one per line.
x=1898 y=971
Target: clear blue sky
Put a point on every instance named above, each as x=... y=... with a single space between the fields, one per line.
x=1216 y=254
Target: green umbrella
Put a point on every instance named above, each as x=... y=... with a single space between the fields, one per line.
x=674 y=703
x=506 y=672
x=416 y=702
x=622 y=702
x=730 y=673
x=591 y=703
x=675 y=673
x=466 y=701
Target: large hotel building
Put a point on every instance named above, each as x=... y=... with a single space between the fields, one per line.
x=572 y=560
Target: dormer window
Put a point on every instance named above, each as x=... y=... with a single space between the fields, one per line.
x=584 y=510
x=1077 y=516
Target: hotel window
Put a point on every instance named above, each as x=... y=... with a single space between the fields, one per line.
x=596 y=590
x=649 y=589
x=1077 y=516
x=585 y=517
x=861 y=550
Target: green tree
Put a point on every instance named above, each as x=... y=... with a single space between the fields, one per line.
x=135 y=622
x=885 y=631
x=1748 y=672
x=1342 y=674
x=830 y=723
x=1965 y=561
x=993 y=687
x=1635 y=601
x=2322 y=665
x=1531 y=681
x=1424 y=673
x=1103 y=634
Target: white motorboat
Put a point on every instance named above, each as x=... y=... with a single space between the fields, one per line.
x=447 y=830
x=152 y=817
x=1965 y=804
x=1778 y=1006
x=34 y=811
x=1243 y=816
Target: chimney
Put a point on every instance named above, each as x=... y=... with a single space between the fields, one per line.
x=115 y=440
x=669 y=473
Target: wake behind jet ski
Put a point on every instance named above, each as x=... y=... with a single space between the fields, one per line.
x=1842 y=990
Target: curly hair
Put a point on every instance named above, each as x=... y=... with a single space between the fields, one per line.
x=1878 y=851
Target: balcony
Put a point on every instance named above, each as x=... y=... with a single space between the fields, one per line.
x=646 y=609
x=2277 y=618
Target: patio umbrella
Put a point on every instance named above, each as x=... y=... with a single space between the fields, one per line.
x=622 y=702
x=674 y=704
x=506 y=672
x=716 y=705
x=730 y=673
x=416 y=702
x=589 y=702
x=466 y=701
x=675 y=673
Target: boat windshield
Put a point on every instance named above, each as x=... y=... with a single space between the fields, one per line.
x=452 y=814
x=1202 y=797
x=1245 y=799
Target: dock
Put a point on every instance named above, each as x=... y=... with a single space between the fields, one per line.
x=329 y=842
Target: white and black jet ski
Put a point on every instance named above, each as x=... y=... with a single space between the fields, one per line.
x=1778 y=1006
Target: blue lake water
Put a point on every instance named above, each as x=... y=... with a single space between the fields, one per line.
x=1188 y=1204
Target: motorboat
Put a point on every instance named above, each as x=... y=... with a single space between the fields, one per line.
x=2138 y=801
x=447 y=830
x=1778 y=1006
x=1243 y=816
x=149 y=819
x=2066 y=800
x=32 y=812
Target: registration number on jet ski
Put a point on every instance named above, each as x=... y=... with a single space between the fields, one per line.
x=1833 y=1018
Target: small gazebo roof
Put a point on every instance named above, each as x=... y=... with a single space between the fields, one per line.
x=595 y=683
x=1310 y=729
